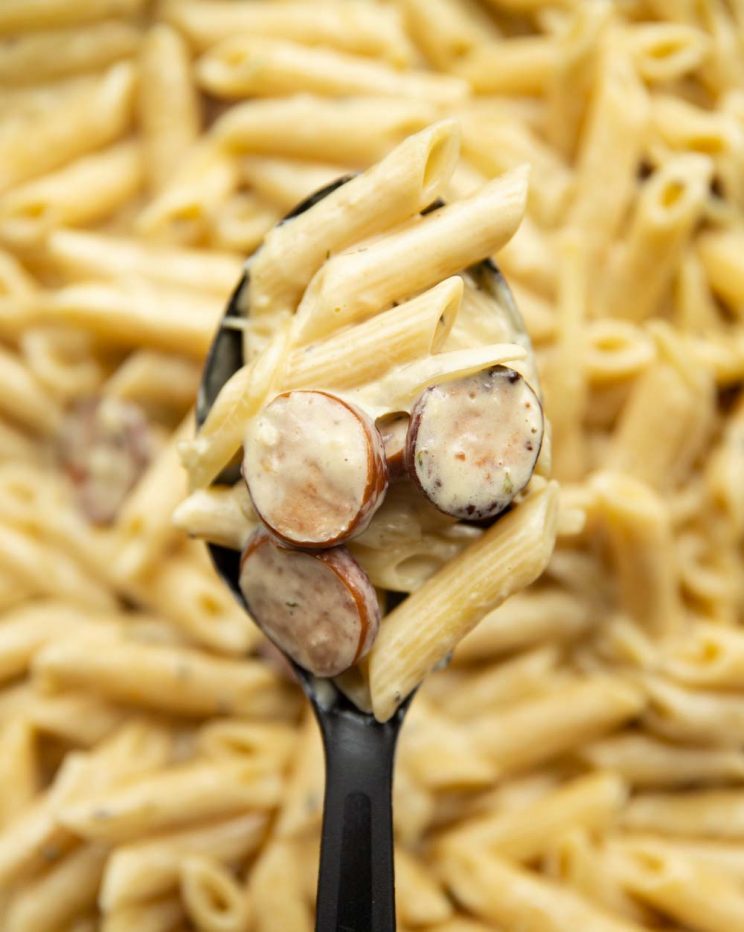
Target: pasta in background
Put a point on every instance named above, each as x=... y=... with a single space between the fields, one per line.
x=579 y=763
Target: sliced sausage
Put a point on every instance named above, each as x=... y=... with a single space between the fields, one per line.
x=104 y=446
x=473 y=443
x=319 y=608
x=394 y=430
x=315 y=468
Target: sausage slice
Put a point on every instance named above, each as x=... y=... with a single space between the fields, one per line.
x=315 y=468
x=473 y=443
x=319 y=608
x=104 y=447
x=394 y=430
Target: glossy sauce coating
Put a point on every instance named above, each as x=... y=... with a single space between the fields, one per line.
x=473 y=443
x=315 y=468
x=319 y=608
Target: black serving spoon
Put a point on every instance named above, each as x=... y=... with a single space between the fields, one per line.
x=356 y=890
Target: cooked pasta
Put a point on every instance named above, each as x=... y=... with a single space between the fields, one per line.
x=574 y=758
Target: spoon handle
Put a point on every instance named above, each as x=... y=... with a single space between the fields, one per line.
x=356 y=891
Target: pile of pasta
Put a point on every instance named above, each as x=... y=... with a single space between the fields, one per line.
x=579 y=763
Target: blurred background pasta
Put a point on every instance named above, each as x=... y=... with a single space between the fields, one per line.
x=580 y=763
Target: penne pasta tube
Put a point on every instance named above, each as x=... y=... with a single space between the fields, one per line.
x=140 y=314
x=212 y=898
x=589 y=707
x=724 y=856
x=564 y=373
x=23 y=398
x=420 y=899
x=658 y=444
x=457 y=597
x=46 y=570
x=640 y=537
x=354 y=27
x=220 y=514
x=155 y=380
x=169 y=107
x=82 y=255
x=221 y=434
x=302 y=806
x=570 y=86
x=157 y=916
x=403 y=183
x=85 y=191
x=183 y=211
x=447 y=30
x=142 y=870
x=717 y=813
x=19 y=772
x=350 y=357
x=62 y=361
x=19 y=15
x=667 y=51
x=443 y=243
x=44 y=56
x=668 y=208
x=464 y=697
x=277 y=891
x=590 y=802
x=287 y=182
x=77 y=718
x=252 y=66
x=170 y=798
x=35 y=837
x=498 y=892
x=352 y=131
x=144 y=530
x=439 y=755
x=698 y=896
x=695 y=716
x=241 y=223
x=525 y=619
x=83 y=121
x=522 y=65
x=26 y=629
x=609 y=147
x=195 y=600
x=65 y=892
x=710 y=656
x=170 y=679
x=719 y=252
x=645 y=761
x=578 y=863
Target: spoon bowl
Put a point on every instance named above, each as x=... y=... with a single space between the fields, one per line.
x=356 y=878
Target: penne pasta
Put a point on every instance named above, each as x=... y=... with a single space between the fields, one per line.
x=589 y=707
x=404 y=651
x=45 y=56
x=168 y=105
x=401 y=264
x=411 y=176
x=351 y=26
x=248 y=66
x=143 y=870
x=85 y=120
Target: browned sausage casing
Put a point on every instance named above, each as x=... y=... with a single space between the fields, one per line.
x=319 y=608
x=473 y=443
x=394 y=430
x=315 y=468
